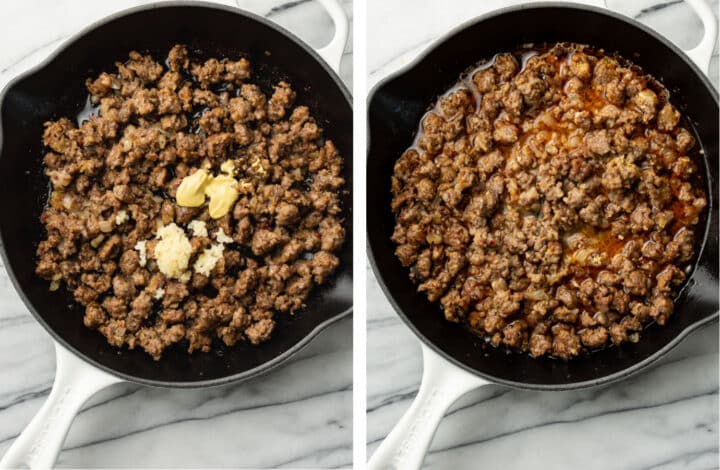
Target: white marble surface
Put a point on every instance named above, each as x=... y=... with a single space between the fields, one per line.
x=299 y=416
x=664 y=419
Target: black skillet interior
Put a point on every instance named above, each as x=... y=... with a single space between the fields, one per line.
x=395 y=109
x=57 y=89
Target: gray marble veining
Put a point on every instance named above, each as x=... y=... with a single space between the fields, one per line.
x=298 y=416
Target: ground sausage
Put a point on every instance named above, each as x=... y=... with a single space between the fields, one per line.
x=114 y=181
x=559 y=218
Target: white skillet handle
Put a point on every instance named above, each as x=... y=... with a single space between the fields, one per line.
x=702 y=53
x=39 y=444
x=333 y=51
x=442 y=384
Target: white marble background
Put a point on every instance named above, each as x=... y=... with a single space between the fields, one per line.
x=664 y=419
x=299 y=416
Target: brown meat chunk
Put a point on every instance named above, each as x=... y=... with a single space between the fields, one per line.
x=594 y=337
x=280 y=101
x=287 y=214
x=668 y=118
x=260 y=331
x=265 y=240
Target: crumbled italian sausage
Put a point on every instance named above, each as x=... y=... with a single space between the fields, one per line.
x=114 y=182
x=560 y=217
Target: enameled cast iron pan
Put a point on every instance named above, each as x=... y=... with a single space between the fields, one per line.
x=456 y=360
x=56 y=88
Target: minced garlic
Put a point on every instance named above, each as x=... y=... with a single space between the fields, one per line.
x=222 y=237
x=142 y=251
x=173 y=251
x=121 y=217
x=257 y=166
x=198 y=228
x=208 y=259
x=159 y=293
x=245 y=186
x=95 y=242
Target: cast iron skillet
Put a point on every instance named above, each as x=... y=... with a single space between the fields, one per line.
x=56 y=88
x=395 y=108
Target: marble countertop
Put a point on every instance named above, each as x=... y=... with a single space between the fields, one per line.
x=291 y=417
x=666 y=418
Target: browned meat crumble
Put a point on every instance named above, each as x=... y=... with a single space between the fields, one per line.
x=114 y=180
x=550 y=207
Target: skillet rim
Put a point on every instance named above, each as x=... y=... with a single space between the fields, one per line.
x=421 y=56
x=67 y=43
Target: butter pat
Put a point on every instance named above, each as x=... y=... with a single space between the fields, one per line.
x=223 y=193
x=208 y=259
x=198 y=228
x=228 y=167
x=173 y=251
x=257 y=166
x=191 y=192
x=222 y=190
